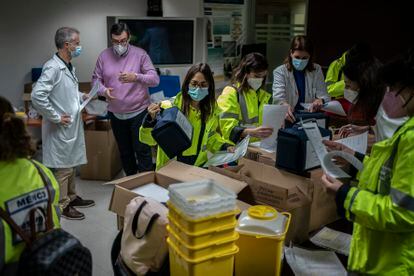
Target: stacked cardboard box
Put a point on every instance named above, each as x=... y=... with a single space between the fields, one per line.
x=101 y=151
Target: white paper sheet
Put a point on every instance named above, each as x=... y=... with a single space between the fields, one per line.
x=325 y=158
x=358 y=143
x=313 y=263
x=330 y=168
x=331 y=106
x=273 y=116
x=334 y=107
x=332 y=239
x=91 y=95
x=153 y=191
x=315 y=138
x=220 y=158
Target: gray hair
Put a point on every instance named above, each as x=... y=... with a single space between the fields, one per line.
x=63 y=35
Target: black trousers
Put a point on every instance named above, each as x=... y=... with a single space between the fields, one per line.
x=135 y=156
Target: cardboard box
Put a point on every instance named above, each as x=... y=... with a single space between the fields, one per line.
x=102 y=152
x=282 y=190
x=173 y=172
x=323 y=208
x=261 y=156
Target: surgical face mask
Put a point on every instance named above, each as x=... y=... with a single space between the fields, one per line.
x=350 y=95
x=385 y=126
x=76 y=52
x=393 y=105
x=120 y=49
x=255 y=83
x=299 y=64
x=197 y=93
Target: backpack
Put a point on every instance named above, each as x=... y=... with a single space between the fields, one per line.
x=55 y=252
x=144 y=240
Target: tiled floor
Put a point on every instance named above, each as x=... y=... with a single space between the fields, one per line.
x=98 y=229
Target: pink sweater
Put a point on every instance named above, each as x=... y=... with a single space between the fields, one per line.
x=130 y=97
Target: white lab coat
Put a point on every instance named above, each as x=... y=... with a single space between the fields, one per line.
x=56 y=93
x=285 y=89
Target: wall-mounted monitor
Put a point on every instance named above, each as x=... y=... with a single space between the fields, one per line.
x=168 y=41
x=240 y=2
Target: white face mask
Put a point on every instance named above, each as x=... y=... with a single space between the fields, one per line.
x=385 y=127
x=350 y=95
x=120 y=49
x=255 y=83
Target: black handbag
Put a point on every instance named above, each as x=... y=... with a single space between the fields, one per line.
x=55 y=252
x=172 y=132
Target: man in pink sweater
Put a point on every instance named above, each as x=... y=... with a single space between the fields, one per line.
x=124 y=73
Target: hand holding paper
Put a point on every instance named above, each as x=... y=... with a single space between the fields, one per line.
x=221 y=158
x=331 y=169
x=274 y=117
x=91 y=95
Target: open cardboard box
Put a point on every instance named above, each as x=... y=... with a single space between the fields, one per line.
x=173 y=172
x=282 y=190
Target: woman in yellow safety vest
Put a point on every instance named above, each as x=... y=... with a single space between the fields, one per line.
x=22 y=188
x=197 y=102
x=381 y=206
x=242 y=102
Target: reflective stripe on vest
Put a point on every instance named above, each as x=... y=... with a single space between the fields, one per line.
x=244 y=112
x=351 y=215
x=227 y=115
x=403 y=200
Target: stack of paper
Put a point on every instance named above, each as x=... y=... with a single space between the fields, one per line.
x=153 y=191
x=220 y=158
x=305 y=262
x=334 y=240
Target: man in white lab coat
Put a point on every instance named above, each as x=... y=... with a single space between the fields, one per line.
x=56 y=96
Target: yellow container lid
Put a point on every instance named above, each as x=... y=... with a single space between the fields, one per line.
x=263 y=221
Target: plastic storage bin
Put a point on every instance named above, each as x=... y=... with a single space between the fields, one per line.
x=206 y=224
x=207 y=249
x=202 y=198
x=201 y=237
x=222 y=264
x=261 y=227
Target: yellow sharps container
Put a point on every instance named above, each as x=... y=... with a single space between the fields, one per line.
x=262 y=234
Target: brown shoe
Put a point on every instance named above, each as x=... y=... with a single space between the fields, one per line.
x=71 y=213
x=79 y=202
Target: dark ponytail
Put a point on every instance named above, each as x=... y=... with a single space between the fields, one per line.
x=15 y=142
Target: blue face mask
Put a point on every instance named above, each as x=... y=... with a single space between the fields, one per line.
x=77 y=52
x=299 y=64
x=197 y=93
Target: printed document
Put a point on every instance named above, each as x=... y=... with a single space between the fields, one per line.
x=358 y=143
x=273 y=116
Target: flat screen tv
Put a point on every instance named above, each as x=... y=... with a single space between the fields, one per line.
x=167 y=41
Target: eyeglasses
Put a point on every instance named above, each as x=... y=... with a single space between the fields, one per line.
x=195 y=84
x=123 y=42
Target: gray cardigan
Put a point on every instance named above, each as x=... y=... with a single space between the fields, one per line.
x=285 y=90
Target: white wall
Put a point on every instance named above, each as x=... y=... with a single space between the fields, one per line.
x=27 y=33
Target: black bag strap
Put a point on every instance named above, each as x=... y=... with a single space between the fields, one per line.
x=4 y=215
x=134 y=226
x=47 y=184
